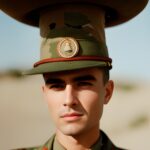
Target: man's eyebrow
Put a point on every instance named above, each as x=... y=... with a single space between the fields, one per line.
x=53 y=80
x=85 y=78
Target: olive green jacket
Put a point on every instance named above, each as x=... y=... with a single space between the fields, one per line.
x=103 y=143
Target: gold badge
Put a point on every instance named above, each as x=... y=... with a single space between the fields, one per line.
x=68 y=47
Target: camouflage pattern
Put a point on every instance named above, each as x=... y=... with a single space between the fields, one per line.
x=103 y=143
x=71 y=40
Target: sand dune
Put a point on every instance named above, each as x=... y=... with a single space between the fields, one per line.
x=25 y=120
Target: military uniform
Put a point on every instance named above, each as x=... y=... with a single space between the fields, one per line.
x=73 y=37
x=103 y=143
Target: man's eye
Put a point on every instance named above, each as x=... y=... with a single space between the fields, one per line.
x=56 y=86
x=85 y=84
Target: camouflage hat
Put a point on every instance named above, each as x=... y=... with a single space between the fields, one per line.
x=72 y=31
x=72 y=38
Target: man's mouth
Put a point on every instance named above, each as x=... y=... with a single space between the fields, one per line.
x=72 y=116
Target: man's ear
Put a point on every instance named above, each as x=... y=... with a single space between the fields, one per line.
x=43 y=88
x=109 y=87
x=44 y=92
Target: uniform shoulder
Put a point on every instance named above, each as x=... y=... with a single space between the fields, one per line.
x=31 y=148
x=46 y=146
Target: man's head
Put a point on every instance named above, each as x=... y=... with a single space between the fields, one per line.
x=75 y=65
x=76 y=98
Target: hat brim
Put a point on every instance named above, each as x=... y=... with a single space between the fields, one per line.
x=64 y=66
x=117 y=11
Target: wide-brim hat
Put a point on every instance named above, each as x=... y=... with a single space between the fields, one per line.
x=117 y=11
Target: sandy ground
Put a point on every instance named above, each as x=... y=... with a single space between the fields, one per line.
x=25 y=120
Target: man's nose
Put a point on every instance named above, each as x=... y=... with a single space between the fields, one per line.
x=70 y=96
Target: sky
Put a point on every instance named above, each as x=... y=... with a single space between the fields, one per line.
x=128 y=44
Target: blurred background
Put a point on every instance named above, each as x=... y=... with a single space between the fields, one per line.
x=24 y=117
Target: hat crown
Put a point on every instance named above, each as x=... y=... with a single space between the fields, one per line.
x=87 y=17
x=75 y=35
x=74 y=22
x=88 y=44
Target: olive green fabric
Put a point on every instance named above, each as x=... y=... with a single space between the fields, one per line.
x=88 y=46
x=75 y=39
x=57 y=145
x=63 y=66
x=103 y=143
x=75 y=19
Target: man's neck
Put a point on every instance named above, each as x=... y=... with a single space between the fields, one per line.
x=79 y=142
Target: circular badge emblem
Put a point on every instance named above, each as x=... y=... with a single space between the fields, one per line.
x=68 y=47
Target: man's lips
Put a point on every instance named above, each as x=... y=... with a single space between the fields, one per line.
x=71 y=116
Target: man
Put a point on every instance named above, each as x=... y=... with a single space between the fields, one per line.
x=75 y=100
x=75 y=65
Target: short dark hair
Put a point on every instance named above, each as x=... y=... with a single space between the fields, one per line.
x=105 y=75
x=105 y=72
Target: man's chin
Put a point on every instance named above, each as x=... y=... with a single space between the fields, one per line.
x=72 y=131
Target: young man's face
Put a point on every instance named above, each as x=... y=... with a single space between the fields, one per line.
x=75 y=99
